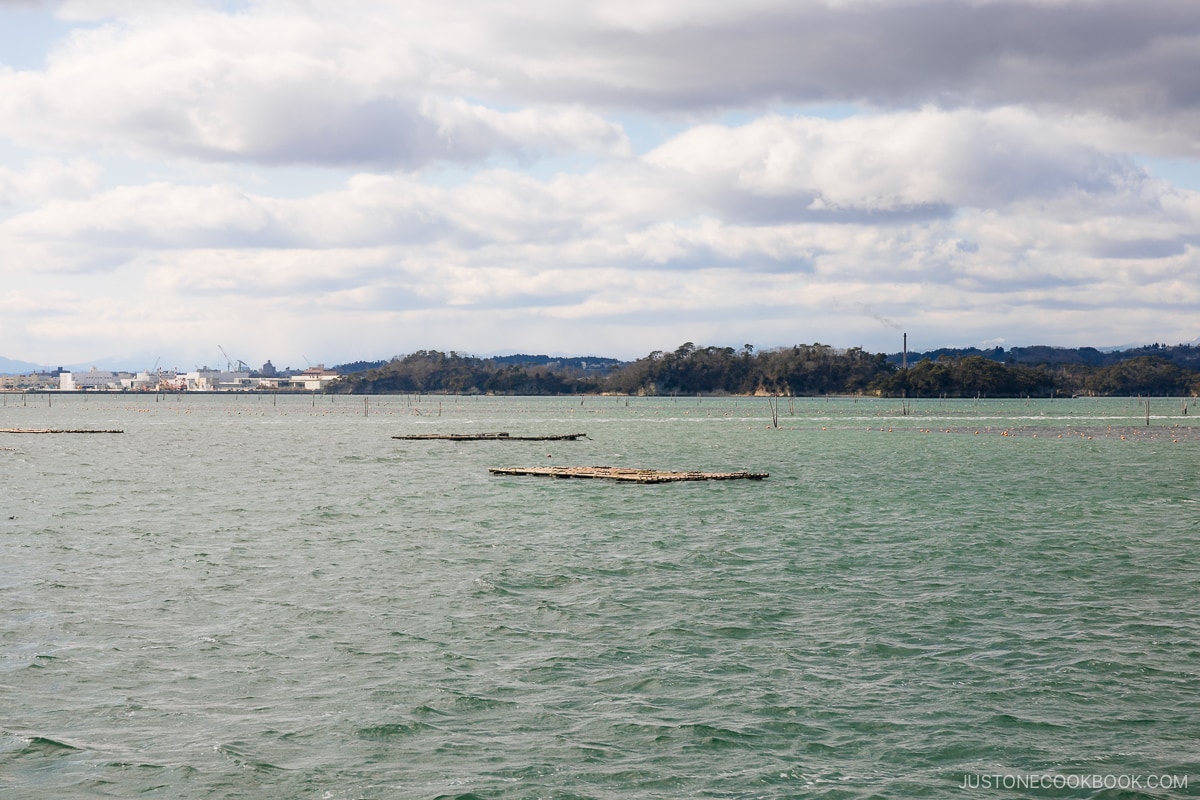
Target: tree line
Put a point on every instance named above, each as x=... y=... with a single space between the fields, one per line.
x=800 y=370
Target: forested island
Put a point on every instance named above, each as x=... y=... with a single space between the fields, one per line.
x=801 y=370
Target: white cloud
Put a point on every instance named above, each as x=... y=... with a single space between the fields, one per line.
x=369 y=83
x=774 y=190
x=896 y=161
x=486 y=198
x=43 y=180
x=274 y=89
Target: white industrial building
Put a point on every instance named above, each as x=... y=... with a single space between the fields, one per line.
x=213 y=380
x=94 y=379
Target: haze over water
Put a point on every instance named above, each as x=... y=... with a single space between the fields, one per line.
x=261 y=597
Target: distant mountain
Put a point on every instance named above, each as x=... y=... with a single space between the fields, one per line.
x=10 y=367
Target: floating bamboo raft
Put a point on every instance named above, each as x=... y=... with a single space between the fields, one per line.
x=53 y=430
x=627 y=474
x=491 y=437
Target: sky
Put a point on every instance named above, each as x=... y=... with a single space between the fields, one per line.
x=322 y=181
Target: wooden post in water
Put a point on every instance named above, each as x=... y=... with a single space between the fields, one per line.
x=1147 y=410
x=365 y=410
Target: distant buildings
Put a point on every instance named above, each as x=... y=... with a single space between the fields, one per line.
x=313 y=379
x=33 y=382
x=203 y=379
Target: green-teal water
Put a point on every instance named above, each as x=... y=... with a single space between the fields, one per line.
x=271 y=597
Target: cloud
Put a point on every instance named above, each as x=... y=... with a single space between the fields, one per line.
x=1117 y=60
x=45 y=179
x=774 y=191
x=368 y=84
x=895 y=162
x=612 y=176
x=274 y=89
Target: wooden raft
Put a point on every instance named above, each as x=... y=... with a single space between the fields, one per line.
x=53 y=430
x=492 y=437
x=627 y=474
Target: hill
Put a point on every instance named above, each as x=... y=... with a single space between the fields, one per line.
x=11 y=367
x=1185 y=356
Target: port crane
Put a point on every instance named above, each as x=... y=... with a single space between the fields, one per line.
x=230 y=362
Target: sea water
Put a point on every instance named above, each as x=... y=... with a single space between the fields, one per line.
x=271 y=597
